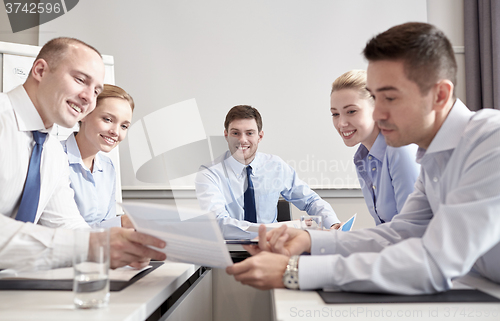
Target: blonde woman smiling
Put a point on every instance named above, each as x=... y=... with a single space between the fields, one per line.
x=386 y=174
x=92 y=174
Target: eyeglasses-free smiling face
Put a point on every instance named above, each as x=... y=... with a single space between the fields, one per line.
x=69 y=90
x=104 y=128
x=352 y=118
x=243 y=138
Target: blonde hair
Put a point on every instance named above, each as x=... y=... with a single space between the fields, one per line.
x=353 y=79
x=111 y=91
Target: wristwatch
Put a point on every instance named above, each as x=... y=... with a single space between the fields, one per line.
x=291 y=275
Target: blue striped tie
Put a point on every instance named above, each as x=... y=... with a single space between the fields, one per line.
x=31 y=193
x=249 y=198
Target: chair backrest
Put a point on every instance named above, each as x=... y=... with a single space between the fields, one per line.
x=284 y=211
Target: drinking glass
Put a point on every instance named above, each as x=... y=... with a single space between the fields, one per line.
x=91 y=268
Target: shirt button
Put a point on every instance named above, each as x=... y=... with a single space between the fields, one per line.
x=374 y=169
x=369 y=157
x=323 y=250
x=435 y=179
x=374 y=187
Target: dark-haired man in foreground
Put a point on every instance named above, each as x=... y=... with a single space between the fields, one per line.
x=448 y=226
x=62 y=87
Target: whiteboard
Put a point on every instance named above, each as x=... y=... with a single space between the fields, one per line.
x=279 y=56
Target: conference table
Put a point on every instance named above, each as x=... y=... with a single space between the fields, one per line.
x=173 y=291
x=289 y=305
x=167 y=293
x=178 y=291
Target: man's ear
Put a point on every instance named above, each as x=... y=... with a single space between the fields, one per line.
x=443 y=94
x=40 y=67
x=261 y=135
x=225 y=134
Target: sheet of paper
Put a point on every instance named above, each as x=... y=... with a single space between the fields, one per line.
x=347 y=225
x=196 y=240
x=270 y=226
x=121 y=274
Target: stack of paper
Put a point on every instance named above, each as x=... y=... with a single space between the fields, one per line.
x=196 y=240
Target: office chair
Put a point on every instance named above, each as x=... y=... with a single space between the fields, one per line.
x=284 y=211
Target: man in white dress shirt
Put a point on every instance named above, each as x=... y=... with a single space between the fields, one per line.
x=62 y=87
x=449 y=225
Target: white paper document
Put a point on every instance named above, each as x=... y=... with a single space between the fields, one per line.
x=346 y=226
x=196 y=240
x=271 y=226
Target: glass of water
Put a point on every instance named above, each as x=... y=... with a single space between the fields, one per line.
x=311 y=222
x=91 y=268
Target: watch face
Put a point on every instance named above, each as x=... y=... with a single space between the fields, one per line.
x=291 y=281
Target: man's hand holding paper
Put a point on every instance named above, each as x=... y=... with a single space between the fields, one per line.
x=191 y=236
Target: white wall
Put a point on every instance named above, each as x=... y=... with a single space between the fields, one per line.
x=448 y=15
x=145 y=81
x=279 y=56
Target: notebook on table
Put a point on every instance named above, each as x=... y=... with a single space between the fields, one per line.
x=61 y=279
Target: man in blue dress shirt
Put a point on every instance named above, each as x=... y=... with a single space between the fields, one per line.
x=220 y=186
x=449 y=225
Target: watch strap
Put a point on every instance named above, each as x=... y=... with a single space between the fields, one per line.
x=291 y=275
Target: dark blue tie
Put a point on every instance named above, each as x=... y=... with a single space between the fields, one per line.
x=250 y=211
x=31 y=193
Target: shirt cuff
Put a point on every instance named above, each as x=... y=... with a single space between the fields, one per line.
x=315 y=272
x=323 y=242
x=329 y=221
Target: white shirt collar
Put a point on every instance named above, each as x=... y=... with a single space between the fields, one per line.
x=239 y=168
x=74 y=156
x=27 y=116
x=450 y=133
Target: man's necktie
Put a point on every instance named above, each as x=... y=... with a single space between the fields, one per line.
x=31 y=193
x=249 y=198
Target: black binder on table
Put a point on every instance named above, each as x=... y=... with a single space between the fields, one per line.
x=67 y=285
x=449 y=296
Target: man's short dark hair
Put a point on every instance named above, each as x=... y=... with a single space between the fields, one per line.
x=243 y=112
x=53 y=51
x=426 y=52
